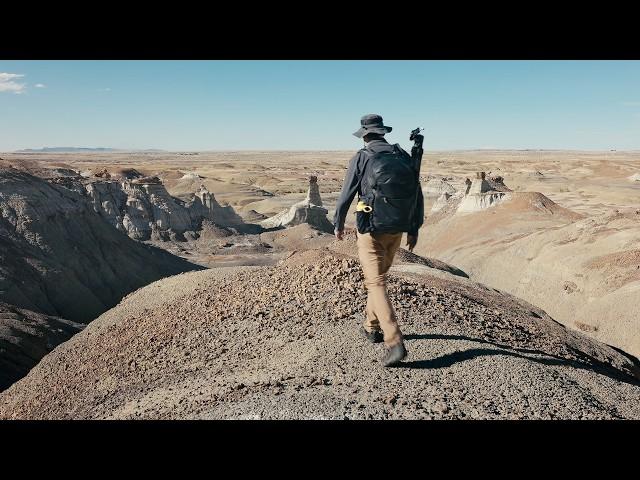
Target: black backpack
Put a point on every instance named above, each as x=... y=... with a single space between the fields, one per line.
x=390 y=185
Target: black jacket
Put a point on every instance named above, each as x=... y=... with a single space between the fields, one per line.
x=351 y=185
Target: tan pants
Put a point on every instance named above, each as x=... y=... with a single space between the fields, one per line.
x=376 y=252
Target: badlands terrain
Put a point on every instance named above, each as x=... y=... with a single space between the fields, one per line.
x=520 y=303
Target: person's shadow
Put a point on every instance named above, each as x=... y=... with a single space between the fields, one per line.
x=585 y=361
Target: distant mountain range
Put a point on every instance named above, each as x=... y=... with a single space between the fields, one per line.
x=81 y=149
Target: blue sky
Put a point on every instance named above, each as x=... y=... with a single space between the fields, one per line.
x=299 y=105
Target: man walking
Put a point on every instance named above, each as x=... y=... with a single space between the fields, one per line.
x=390 y=202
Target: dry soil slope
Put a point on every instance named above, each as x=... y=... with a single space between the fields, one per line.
x=584 y=271
x=284 y=342
x=59 y=257
x=26 y=337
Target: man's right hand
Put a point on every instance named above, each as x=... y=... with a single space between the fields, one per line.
x=339 y=234
x=411 y=241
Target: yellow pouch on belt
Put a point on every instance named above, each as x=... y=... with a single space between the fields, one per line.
x=361 y=207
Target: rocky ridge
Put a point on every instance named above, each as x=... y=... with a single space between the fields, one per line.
x=284 y=342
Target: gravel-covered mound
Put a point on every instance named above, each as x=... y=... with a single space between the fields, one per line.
x=284 y=342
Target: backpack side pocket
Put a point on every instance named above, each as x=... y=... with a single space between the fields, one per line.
x=363 y=219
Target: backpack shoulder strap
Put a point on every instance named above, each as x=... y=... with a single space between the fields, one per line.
x=367 y=150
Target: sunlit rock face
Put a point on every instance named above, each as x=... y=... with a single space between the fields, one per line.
x=143 y=208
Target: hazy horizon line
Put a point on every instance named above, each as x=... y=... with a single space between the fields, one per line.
x=91 y=150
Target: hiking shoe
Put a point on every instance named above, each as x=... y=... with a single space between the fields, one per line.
x=394 y=355
x=374 y=337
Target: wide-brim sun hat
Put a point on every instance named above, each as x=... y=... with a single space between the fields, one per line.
x=371 y=123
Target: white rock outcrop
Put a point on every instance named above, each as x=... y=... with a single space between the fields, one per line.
x=441 y=202
x=481 y=195
x=309 y=210
x=476 y=202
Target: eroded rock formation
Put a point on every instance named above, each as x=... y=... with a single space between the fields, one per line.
x=143 y=208
x=60 y=258
x=436 y=187
x=309 y=210
x=481 y=194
